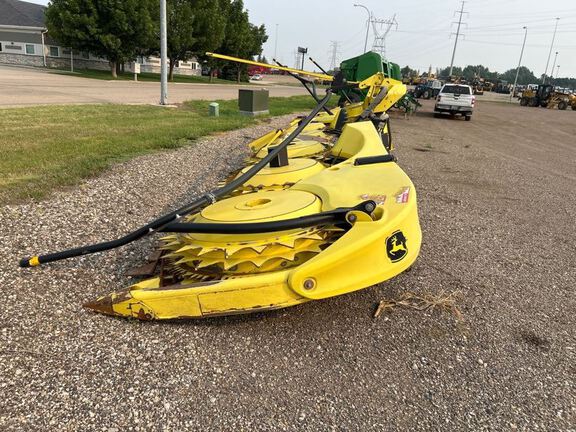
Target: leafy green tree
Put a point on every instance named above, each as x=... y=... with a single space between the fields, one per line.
x=180 y=23
x=456 y=71
x=471 y=72
x=211 y=17
x=565 y=82
x=408 y=72
x=525 y=76
x=242 y=39
x=114 y=29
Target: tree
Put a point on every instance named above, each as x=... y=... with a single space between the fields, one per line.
x=209 y=29
x=456 y=71
x=471 y=72
x=242 y=39
x=408 y=72
x=115 y=30
x=525 y=76
x=180 y=22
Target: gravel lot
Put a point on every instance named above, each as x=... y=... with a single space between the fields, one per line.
x=498 y=210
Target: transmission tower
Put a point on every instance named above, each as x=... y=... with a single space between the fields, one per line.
x=460 y=12
x=381 y=29
x=333 y=54
x=296 y=59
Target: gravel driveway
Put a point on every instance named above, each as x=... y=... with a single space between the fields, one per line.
x=497 y=206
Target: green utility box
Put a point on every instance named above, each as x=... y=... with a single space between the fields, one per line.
x=214 y=109
x=253 y=102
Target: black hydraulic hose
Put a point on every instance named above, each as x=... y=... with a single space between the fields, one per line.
x=331 y=217
x=318 y=66
x=195 y=205
x=305 y=84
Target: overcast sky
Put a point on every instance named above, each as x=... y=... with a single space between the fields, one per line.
x=492 y=32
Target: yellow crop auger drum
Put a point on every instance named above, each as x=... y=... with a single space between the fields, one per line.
x=322 y=210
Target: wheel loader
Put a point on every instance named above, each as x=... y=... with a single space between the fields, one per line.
x=540 y=97
x=566 y=101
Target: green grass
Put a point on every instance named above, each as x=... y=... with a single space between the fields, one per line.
x=46 y=148
x=145 y=76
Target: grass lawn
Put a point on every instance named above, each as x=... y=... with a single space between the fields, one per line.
x=145 y=76
x=44 y=148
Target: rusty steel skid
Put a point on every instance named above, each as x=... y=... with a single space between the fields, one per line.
x=373 y=248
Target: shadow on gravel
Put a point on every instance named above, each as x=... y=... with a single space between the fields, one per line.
x=531 y=338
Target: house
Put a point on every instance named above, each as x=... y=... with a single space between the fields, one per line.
x=24 y=40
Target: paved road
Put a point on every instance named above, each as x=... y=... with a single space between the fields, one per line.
x=27 y=86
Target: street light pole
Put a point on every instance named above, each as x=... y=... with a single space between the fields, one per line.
x=163 y=55
x=557 y=71
x=276 y=43
x=519 y=62
x=367 y=24
x=552 y=70
x=550 y=52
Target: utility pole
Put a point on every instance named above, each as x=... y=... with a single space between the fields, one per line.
x=461 y=12
x=367 y=24
x=519 y=62
x=550 y=52
x=333 y=54
x=276 y=43
x=381 y=29
x=163 y=55
x=552 y=70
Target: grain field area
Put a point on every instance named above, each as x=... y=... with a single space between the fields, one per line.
x=497 y=204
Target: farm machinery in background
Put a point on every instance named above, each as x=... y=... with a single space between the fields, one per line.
x=546 y=96
x=428 y=90
x=320 y=209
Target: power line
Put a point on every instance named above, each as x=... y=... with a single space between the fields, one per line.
x=381 y=29
x=461 y=12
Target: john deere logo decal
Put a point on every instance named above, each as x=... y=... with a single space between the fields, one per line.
x=396 y=246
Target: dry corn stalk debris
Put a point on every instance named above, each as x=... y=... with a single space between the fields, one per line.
x=422 y=302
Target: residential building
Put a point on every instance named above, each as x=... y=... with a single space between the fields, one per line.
x=24 y=40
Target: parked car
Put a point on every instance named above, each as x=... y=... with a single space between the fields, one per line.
x=256 y=77
x=455 y=99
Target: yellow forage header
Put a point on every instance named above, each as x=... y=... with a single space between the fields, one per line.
x=269 y=66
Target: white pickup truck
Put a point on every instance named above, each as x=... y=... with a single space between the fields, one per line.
x=455 y=99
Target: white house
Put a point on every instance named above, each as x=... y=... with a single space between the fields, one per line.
x=24 y=40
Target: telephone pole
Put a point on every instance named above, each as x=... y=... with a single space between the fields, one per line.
x=550 y=52
x=519 y=62
x=381 y=29
x=461 y=12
